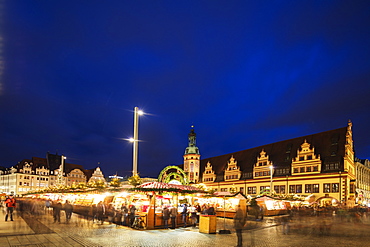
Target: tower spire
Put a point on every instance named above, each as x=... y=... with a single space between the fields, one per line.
x=192 y=158
x=192 y=138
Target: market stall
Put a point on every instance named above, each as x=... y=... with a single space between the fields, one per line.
x=271 y=206
x=161 y=195
x=224 y=204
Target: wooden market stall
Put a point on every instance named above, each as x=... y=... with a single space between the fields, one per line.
x=225 y=203
x=160 y=195
x=271 y=206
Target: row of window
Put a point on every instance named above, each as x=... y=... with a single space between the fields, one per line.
x=282 y=171
x=306 y=169
x=262 y=163
x=286 y=171
x=293 y=189
x=260 y=174
x=308 y=157
x=232 y=177
x=76 y=175
x=33 y=172
x=35 y=184
x=37 y=178
x=333 y=166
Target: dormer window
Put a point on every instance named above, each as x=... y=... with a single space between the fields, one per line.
x=232 y=171
x=208 y=175
x=306 y=160
x=262 y=166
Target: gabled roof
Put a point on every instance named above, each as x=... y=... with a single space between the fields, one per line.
x=281 y=153
x=69 y=167
x=89 y=173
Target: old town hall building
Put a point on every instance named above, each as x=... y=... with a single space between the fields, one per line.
x=320 y=167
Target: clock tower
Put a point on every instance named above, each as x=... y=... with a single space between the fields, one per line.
x=192 y=158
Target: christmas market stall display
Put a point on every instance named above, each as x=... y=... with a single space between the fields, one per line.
x=161 y=195
x=225 y=203
x=270 y=206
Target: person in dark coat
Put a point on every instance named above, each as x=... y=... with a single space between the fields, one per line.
x=68 y=208
x=132 y=210
x=184 y=214
x=211 y=210
x=93 y=212
x=110 y=213
x=166 y=216
x=100 y=212
x=173 y=215
x=239 y=223
x=124 y=211
x=57 y=207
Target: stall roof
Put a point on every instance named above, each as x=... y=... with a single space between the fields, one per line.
x=159 y=186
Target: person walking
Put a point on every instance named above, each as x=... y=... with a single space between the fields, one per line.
x=68 y=208
x=10 y=205
x=57 y=207
x=239 y=223
x=132 y=210
x=184 y=214
x=173 y=215
x=124 y=211
x=110 y=213
x=100 y=211
x=93 y=212
x=193 y=212
x=166 y=216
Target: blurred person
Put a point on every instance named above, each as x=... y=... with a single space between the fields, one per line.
x=68 y=208
x=199 y=210
x=57 y=207
x=285 y=224
x=124 y=211
x=110 y=213
x=239 y=223
x=211 y=210
x=48 y=205
x=132 y=210
x=166 y=217
x=173 y=215
x=93 y=212
x=10 y=205
x=184 y=214
x=100 y=212
x=117 y=216
x=193 y=213
x=205 y=209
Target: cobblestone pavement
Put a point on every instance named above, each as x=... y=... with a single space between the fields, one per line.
x=31 y=230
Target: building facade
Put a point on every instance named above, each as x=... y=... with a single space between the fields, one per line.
x=39 y=173
x=319 y=168
x=362 y=181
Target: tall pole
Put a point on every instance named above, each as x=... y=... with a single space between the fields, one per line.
x=340 y=187
x=287 y=188
x=61 y=169
x=136 y=138
x=271 y=180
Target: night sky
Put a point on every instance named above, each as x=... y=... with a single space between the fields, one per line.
x=245 y=73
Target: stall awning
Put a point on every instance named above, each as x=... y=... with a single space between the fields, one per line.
x=165 y=187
